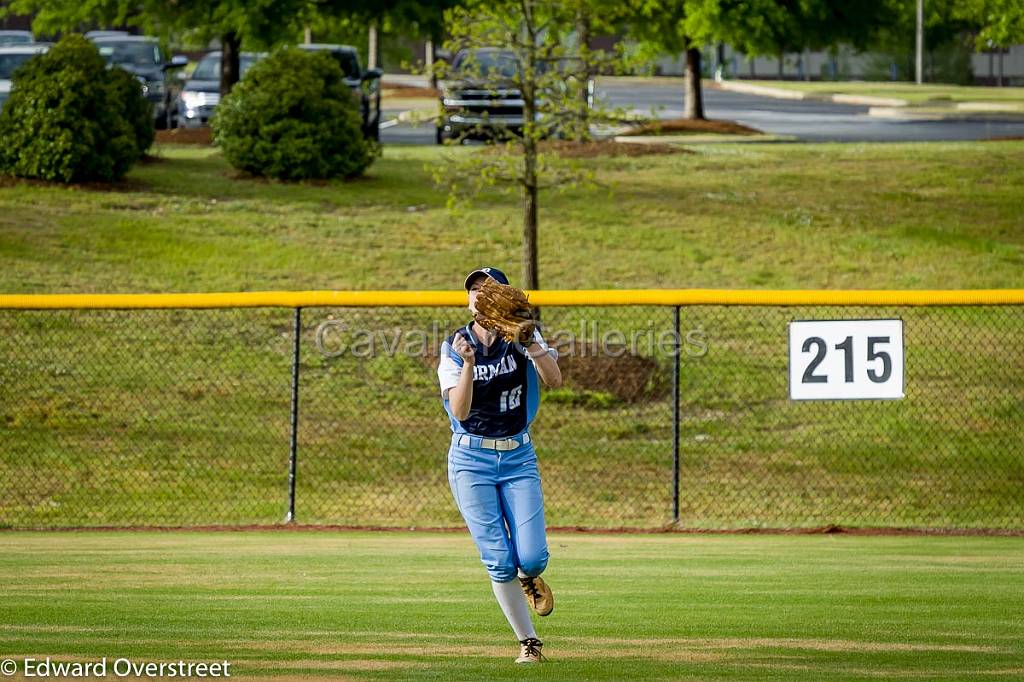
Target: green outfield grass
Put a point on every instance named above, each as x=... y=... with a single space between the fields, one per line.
x=396 y=606
x=929 y=93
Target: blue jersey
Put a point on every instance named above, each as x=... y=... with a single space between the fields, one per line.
x=506 y=388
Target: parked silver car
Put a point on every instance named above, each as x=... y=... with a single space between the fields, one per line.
x=16 y=37
x=105 y=34
x=200 y=95
x=11 y=57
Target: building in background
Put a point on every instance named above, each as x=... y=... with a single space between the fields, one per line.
x=1005 y=67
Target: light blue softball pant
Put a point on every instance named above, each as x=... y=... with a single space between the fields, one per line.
x=499 y=495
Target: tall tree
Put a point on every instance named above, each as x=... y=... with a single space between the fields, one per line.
x=660 y=25
x=258 y=24
x=754 y=27
x=999 y=23
x=356 y=22
x=946 y=23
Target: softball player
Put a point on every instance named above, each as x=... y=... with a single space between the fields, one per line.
x=491 y=392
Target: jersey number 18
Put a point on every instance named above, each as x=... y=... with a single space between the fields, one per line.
x=510 y=398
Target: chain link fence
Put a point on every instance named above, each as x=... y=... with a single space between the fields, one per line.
x=195 y=417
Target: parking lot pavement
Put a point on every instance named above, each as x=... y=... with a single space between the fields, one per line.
x=810 y=121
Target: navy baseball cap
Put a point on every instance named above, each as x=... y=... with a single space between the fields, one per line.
x=493 y=273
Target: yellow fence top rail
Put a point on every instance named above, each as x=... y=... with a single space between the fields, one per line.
x=592 y=297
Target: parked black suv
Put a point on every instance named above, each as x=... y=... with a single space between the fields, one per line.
x=365 y=84
x=141 y=57
x=470 y=110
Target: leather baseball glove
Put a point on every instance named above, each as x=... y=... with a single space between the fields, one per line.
x=505 y=310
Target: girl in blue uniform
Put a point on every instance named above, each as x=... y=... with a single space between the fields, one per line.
x=491 y=391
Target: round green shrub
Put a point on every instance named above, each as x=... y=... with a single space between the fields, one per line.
x=70 y=118
x=293 y=118
x=138 y=110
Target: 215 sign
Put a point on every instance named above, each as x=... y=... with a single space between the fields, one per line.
x=846 y=360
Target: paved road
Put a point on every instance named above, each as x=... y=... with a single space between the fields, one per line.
x=809 y=121
x=404 y=133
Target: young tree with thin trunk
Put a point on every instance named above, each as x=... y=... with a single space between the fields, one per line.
x=536 y=54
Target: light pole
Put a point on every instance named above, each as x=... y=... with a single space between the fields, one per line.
x=919 y=52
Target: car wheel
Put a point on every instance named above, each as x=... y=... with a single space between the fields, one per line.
x=439 y=136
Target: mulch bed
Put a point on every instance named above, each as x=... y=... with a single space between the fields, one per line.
x=407 y=91
x=185 y=136
x=685 y=125
x=588 y=150
x=630 y=378
x=597 y=148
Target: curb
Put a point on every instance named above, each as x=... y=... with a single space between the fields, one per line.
x=870 y=101
x=991 y=107
x=907 y=115
x=911 y=114
x=781 y=93
x=762 y=90
x=417 y=116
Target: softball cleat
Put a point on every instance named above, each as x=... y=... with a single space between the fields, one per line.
x=538 y=594
x=529 y=651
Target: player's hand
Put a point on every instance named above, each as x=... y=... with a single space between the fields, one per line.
x=464 y=350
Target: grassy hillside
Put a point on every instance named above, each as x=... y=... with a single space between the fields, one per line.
x=875 y=216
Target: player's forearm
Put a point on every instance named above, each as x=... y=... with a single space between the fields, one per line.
x=460 y=397
x=546 y=366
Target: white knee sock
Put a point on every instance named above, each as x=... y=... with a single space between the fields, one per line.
x=513 y=604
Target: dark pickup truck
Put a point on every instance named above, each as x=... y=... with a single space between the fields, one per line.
x=468 y=109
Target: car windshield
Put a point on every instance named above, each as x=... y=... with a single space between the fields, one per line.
x=208 y=68
x=133 y=53
x=15 y=39
x=487 y=63
x=349 y=63
x=10 y=62
x=349 y=66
